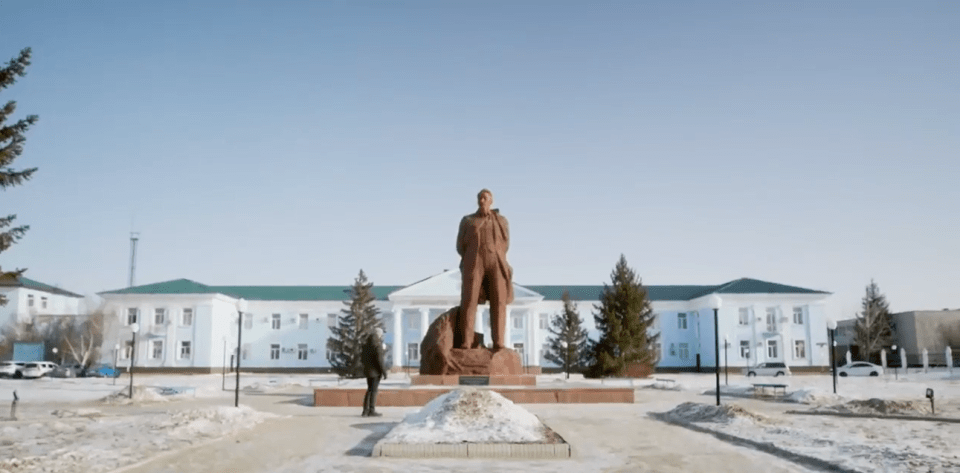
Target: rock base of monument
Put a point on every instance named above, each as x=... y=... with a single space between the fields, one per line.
x=483 y=361
x=474 y=380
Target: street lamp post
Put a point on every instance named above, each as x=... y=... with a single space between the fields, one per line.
x=241 y=308
x=116 y=361
x=134 y=328
x=726 y=361
x=896 y=369
x=715 y=302
x=832 y=327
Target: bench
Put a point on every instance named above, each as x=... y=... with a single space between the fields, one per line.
x=760 y=388
x=667 y=381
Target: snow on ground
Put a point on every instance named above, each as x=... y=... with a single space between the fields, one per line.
x=92 y=425
x=469 y=415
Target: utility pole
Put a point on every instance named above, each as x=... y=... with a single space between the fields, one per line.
x=134 y=236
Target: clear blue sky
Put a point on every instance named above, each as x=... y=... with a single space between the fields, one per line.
x=294 y=143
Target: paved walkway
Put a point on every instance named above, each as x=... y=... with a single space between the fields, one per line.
x=605 y=437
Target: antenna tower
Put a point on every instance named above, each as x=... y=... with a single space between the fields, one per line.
x=134 y=236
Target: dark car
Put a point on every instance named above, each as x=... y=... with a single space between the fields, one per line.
x=102 y=371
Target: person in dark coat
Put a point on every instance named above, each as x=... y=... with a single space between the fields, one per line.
x=373 y=369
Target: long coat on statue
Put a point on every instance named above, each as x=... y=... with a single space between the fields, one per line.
x=468 y=245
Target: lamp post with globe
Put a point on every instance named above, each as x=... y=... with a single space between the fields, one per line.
x=715 y=303
x=241 y=308
x=134 y=328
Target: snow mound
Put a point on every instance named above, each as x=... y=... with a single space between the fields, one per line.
x=813 y=396
x=666 y=386
x=882 y=406
x=214 y=422
x=696 y=412
x=469 y=415
x=140 y=394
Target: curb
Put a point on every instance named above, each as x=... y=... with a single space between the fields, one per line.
x=531 y=451
x=952 y=420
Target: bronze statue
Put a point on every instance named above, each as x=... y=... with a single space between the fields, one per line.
x=482 y=243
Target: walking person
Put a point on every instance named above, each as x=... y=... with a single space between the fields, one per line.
x=373 y=370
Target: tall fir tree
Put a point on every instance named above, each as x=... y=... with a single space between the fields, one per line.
x=12 y=137
x=568 y=345
x=357 y=320
x=623 y=318
x=873 y=329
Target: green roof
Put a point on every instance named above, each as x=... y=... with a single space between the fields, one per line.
x=552 y=292
x=28 y=283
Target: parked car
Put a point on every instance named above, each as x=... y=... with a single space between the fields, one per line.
x=12 y=369
x=67 y=371
x=102 y=371
x=860 y=368
x=770 y=368
x=38 y=369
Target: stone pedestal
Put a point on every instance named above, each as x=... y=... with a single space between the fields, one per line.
x=482 y=361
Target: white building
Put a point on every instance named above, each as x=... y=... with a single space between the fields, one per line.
x=33 y=301
x=191 y=327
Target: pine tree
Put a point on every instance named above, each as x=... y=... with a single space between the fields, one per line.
x=568 y=346
x=874 y=324
x=357 y=320
x=11 y=145
x=623 y=318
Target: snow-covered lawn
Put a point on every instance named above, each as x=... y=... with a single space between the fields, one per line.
x=91 y=425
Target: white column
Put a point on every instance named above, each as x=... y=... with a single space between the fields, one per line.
x=533 y=353
x=507 y=328
x=424 y=321
x=398 y=338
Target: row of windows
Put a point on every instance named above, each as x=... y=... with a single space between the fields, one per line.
x=155 y=350
x=799 y=349
x=160 y=316
x=30 y=302
x=516 y=321
x=744 y=318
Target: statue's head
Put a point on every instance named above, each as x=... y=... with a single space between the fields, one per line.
x=485 y=201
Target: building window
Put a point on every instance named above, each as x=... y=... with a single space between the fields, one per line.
x=245 y=353
x=543 y=351
x=330 y=355
x=274 y=352
x=682 y=321
x=673 y=350
x=158 y=316
x=331 y=320
x=413 y=352
x=656 y=350
x=156 y=349
x=798 y=315
x=132 y=315
x=29 y=300
x=302 y=351
x=744 y=349
x=247 y=321
x=127 y=350
x=187 y=318
x=544 y=321
x=799 y=349
x=684 y=351
x=518 y=321
x=43 y=302
x=413 y=321
x=184 y=350
x=303 y=321
x=771 y=319
x=744 y=316
x=519 y=348
x=771 y=348
x=275 y=322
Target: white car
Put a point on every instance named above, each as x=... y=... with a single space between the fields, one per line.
x=860 y=368
x=37 y=369
x=770 y=368
x=11 y=369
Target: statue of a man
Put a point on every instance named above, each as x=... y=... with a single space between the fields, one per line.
x=482 y=242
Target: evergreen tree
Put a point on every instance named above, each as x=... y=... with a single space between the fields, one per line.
x=568 y=346
x=11 y=145
x=623 y=318
x=874 y=324
x=357 y=320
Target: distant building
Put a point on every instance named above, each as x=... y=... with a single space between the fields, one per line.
x=187 y=326
x=932 y=330
x=34 y=301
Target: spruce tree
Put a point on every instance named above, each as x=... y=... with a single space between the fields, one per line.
x=568 y=346
x=357 y=320
x=623 y=318
x=874 y=324
x=12 y=137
